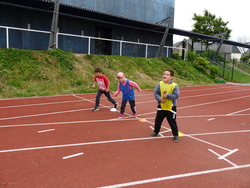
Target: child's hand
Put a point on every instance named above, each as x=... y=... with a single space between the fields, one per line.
x=162 y=99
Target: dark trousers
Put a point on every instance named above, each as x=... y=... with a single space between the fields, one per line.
x=132 y=106
x=98 y=96
x=171 y=118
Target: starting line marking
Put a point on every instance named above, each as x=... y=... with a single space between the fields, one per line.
x=45 y=130
x=70 y=156
x=227 y=154
x=222 y=158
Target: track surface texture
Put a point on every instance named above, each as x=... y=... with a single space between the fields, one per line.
x=57 y=141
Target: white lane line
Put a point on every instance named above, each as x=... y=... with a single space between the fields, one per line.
x=208 y=143
x=77 y=144
x=225 y=132
x=160 y=133
x=39 y=104
x=43 y=131
x=223 y=158
x=225 y=100
x=227 y=154
x=70 y=156
x=123 y=140
x=238 y=111
x=203 y=95
x=90 y=100
x=175 y=176
x=166 y=131
x=192 y=96
x=69 y=122
x=45 y=114
x=101 y=105
x=194 y=88
x=211 y=119
x=201 y=116
x=196 y=116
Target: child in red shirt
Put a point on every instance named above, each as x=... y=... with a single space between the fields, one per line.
x=103 y=84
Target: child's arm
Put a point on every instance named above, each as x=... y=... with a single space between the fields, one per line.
x=118 y=90
x=94 y=82
x=157 y=93
x=108 y=84
x=175 y=95
x=133 y=84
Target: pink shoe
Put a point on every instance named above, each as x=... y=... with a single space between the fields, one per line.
x=135 y=115
x=121 y=116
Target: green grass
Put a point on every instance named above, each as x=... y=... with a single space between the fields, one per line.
x=243 y=66
x=235 y=75
x=26 y=73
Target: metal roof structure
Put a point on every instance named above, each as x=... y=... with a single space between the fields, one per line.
x=48 y=5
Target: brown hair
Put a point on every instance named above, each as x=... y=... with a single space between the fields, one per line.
x=171 y=72
x=97 y=70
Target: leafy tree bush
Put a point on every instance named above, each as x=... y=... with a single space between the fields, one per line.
x=209 y=54
x=245 y=58
x=201 y=64
x=191 y=56
x=213 y=71
x=175 y=55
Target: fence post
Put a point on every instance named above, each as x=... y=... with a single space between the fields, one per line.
x=232 y=71
x=146 y=53
x=7 y=37
x=89 y=47
x=120 y=48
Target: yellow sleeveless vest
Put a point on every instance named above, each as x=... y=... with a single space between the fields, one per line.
x=168 y=88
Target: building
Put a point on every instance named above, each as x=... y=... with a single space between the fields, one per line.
x=87 y=26
x=230 y=52
x=110 y=27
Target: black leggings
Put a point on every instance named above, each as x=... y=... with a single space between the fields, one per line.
x=132 y=106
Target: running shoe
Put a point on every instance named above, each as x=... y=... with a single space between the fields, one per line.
x=121 y=116
x=176 y=139
x=153 y=134
x=95 y=109
x=135 y=115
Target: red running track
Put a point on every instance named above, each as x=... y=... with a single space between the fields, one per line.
x=57 y=141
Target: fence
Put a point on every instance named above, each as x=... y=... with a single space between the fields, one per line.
x=31 y=39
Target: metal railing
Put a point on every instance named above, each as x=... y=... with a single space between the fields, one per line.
x=90 y=44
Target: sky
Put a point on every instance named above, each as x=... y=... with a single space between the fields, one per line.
x=236 y=12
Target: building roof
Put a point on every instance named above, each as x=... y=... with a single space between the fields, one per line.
x=225 y=48
x=48 y=5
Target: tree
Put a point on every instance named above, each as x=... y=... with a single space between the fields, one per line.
x=208 y=24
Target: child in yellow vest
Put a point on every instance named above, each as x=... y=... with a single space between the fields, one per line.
x=166 y=93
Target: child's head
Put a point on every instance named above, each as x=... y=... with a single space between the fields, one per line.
x=120 y=76
x=98 y=72
x=168 y=75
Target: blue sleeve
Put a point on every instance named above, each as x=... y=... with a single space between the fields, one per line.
x=157 y=92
